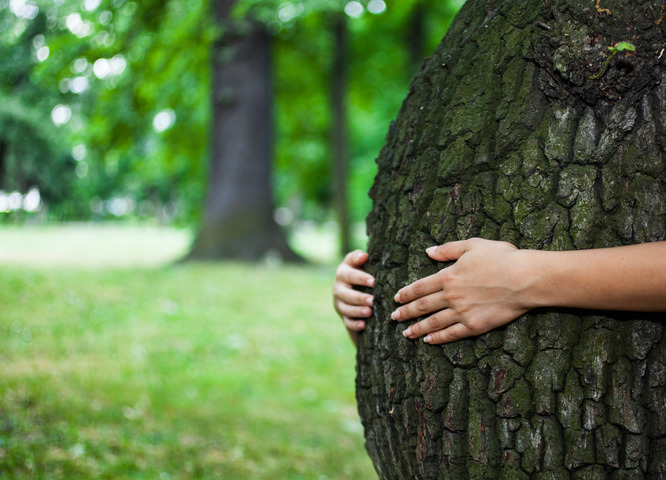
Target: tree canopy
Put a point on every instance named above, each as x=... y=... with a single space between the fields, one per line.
x=105 y=104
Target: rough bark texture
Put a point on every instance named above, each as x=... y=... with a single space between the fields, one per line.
x=238 y=219
x=504 y=135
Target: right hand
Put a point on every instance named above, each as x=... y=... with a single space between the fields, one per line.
x=484 y=289
x=353 y=306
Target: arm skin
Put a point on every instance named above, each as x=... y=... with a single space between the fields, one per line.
x=493 y=283
x=353 y=306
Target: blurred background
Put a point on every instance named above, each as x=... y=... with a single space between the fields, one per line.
x=117 y=361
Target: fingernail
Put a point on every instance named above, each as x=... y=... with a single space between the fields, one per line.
x=431 y=250
x=396 y=315
x=427 y=339
x=397 y=297
x=408 y=332
x=370 y=282
x=369 y=301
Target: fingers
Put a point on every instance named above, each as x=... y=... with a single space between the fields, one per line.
x=356 y=258
x=354 y=325
x=345 y=309
x=349 y=302
x=420 y=288
x=455 y=332
x=350 y=273
x=346 y=294
x=435 y=322
x=353 y=306
x=451 y=250
x=420 y=306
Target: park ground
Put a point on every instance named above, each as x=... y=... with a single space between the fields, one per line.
x=118 y=362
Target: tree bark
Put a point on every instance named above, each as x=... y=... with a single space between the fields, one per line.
x=238 y=218
x=504 y=135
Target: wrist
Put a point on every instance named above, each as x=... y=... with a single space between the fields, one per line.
x=535 y=269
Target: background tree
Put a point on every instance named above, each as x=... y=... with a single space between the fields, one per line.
x=505 y=135
x=339 y=131
x=238 y=218
x=130 y=83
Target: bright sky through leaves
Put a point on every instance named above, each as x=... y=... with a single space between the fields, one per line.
x=24 y=8
x=61 y=114
x=354 y=9
x=164 y=120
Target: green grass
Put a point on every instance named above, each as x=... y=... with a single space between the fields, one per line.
x=226 y=371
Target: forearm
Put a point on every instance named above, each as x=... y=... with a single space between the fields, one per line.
x=622 y=278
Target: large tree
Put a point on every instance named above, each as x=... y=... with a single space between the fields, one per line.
x=530 y=123
x=238 y=217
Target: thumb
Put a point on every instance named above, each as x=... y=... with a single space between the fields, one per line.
x=448 y=251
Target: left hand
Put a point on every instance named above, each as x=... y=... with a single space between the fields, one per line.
x=487 y=287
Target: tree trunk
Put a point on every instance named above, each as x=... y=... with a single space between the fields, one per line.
x=3 y=162
x=416 y=35
x=340 y=137
x=504 y=135
x=238 y=219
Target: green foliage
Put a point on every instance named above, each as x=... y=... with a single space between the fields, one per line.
x=380 y=68
x=173 y=372
x=136 y=80
x=28 y=138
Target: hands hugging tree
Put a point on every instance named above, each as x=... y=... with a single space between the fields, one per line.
x=492 y=283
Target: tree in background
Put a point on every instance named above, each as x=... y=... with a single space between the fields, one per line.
x=129 y=84
x=521 y=127
x=340 y=137
x=238 y=218
x=378 y=63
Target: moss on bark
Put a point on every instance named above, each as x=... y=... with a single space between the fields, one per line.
x=504 y=135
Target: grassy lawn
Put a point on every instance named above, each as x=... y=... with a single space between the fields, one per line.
x=116 y=364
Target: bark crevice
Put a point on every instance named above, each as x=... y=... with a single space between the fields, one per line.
x=504 y=135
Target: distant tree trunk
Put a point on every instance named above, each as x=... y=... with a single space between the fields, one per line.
x=340 y=138
x=416 y=35
x=3 y=162
x=504 y=135
x=238 y=219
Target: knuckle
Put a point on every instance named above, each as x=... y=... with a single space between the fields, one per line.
x=359 y=298
x=474 y=328
x=339 y=271
x=446 y=276
x=422 y=304
x=451 y=336
x=433 y=322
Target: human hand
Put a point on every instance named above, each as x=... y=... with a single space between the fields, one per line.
x=353 y=306
x=483 y=290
